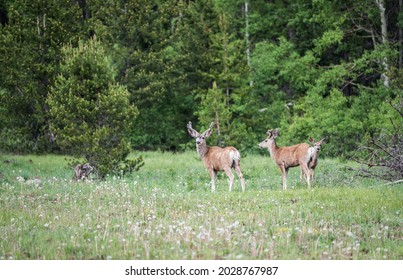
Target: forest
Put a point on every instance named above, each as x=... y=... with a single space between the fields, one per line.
x=312 y=68
x=92 y=91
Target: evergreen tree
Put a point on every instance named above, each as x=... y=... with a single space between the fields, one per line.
x=215 y=108
x=276 y=64
x=143 y=42
x=90 y=112
x=226 y=102
x=324 y=70
x=31 y=37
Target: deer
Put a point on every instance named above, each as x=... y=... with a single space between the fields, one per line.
x=216 y=158
x=315 y=154
x=315 y=149
x=288 y=156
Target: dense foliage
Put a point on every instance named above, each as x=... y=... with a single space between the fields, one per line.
x=310 y=67
x=89 y=112
x=382 y=156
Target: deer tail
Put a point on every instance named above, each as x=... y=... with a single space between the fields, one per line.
x=235 y=157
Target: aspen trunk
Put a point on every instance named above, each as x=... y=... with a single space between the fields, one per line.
x=384 y=30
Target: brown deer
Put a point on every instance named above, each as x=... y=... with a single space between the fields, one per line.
x=314 y=150
x=286 y=157
x=216 y=158
x=315 y=154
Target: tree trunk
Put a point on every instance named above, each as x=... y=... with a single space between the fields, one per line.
x=400 y=37
x=247 y=37
x=384 y=29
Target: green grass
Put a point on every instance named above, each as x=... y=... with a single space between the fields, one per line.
x=166 y=211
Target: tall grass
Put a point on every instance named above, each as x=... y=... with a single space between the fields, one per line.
x=166 y=211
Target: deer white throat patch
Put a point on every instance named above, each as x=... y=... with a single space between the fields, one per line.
x=311 y=151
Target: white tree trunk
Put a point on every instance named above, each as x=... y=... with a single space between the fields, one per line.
x=401 y=38
x=247 y=37
x=384 y=29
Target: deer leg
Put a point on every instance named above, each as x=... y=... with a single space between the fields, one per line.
x=284 y=172
x=301 y=174
x=213 y=175
x=312 y=173
x=307 y=174
x=240 y=175
x=230 y=177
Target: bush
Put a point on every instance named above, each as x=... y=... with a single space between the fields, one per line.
x=382 y=156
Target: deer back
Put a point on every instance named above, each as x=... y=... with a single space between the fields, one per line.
x=292 y=156
x=219 y=158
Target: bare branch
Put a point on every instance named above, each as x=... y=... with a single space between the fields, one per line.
x=384 y=155
x=395 y=182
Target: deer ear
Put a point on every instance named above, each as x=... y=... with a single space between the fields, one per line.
x=275 y=133
x=310 y=139
x=323 y=141
x=208 y=132
x=191 y=131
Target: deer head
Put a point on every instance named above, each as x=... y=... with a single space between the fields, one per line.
x=271 y=134
x=200 y=138
x=317 y=145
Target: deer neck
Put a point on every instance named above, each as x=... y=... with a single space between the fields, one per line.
x=273 y=149
x=202 y=150
x=315 y=155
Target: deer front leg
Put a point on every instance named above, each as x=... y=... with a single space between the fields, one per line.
x=284 y=172
x=312 y=173
x=307 y=173
x=230 y=177
x=213 y=175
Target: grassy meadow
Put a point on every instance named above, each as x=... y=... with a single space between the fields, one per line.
x=167 y=211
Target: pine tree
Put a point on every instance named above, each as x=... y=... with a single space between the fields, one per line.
x=90 y=111
x=31 y=37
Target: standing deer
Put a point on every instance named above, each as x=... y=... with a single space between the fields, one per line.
x=286 y=157
x=316 y=149
x=216 y=158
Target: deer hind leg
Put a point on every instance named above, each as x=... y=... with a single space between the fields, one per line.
x=230 y=177
x=302 y=174
x=240 y=175
x=213 y=175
